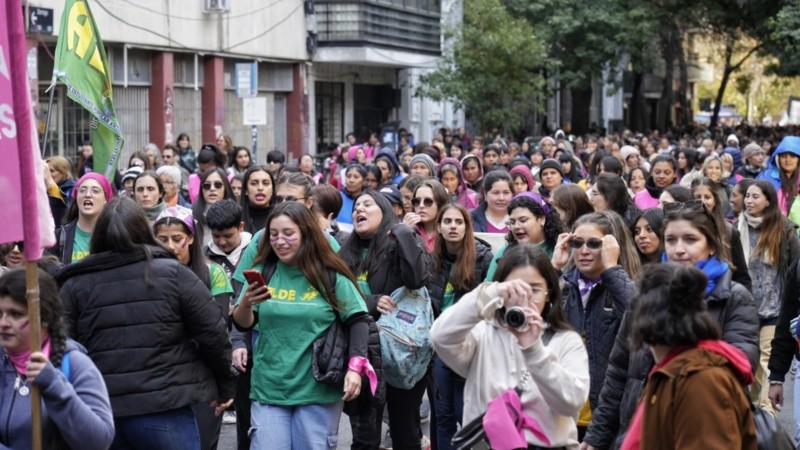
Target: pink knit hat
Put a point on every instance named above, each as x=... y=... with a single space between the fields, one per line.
x=100 y=179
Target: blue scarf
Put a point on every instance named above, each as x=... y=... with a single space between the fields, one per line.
x=714 y=270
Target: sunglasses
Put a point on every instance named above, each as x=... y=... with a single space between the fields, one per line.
x=694 y=205
x=288 y=198
x=428 y=202
x=216 y=185
x=592 y=244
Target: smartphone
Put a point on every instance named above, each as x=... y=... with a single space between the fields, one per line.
x=254 y=277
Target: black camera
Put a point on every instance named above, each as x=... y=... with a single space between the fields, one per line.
x=514 y=316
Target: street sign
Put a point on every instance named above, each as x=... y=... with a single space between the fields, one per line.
x=40 y=20
x=255 y=111
x=246 y=79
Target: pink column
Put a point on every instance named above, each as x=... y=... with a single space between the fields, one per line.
x=213 y=97
x=162 y=117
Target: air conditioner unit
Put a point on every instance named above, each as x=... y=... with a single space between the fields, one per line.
x=217 y=6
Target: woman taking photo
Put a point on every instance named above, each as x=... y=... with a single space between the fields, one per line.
x=76 y=412
x=90 y=195
x=290 y=409
x=460 y=262
x=530 y=221
x=149 y=193
x=706 y=408
x=491 y=215
x=596 y=290
x=127 y=282
x=258 y=191
x=214 y=187
x=648 y=234
x=354 y=176
x=385 y=255
x=770 y=245
x=429 y=198
x=543 y=357
x=691 y=238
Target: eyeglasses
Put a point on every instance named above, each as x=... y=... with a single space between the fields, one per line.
x=83 y=190
x=19 y=245
x=287 y=198
x=694 y=205
x=592 y=244
x=216 y=184
x=415 y=202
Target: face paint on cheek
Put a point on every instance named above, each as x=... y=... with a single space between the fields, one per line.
x=287 y=239
x=24 y=325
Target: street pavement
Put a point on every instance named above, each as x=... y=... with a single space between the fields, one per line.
x=227 y=439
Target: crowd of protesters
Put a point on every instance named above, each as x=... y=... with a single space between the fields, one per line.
x=654 y=276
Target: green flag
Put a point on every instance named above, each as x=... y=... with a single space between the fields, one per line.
x=81 y=64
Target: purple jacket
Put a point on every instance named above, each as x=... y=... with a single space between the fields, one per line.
x=76 y=413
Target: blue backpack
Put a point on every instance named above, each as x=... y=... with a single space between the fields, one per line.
x=405 y=338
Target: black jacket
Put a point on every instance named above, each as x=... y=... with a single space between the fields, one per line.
x=405 y=263
x=65 y=237
x=599 y=321
x=439 y=280
x=152 y=328
x=730 y=304
x=784 y=346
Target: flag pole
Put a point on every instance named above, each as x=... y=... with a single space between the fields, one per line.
x=32 y=297
x=52 y=90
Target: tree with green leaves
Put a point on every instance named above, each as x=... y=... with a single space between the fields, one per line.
x=493 y=69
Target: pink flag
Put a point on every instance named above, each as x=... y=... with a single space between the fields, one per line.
x=26 y=211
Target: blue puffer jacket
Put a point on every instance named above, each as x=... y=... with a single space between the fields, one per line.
x=599 y=321
x=76 y=413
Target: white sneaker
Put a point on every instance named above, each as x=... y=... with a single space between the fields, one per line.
x=229 y=417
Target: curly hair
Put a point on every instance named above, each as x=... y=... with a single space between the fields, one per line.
x=12 y=285
x=552 y=226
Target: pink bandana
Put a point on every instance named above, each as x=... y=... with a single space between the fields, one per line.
x=20 y=359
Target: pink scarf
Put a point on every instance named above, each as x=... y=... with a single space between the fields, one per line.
x=20 y=359
x=505 y=422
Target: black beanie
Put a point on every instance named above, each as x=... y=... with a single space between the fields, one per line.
x=551 y=163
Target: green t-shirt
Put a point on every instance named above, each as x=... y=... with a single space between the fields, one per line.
x=449 y=295
x=363 y=284
x=219 y=280
x=80 y=245
x=249 y=255
x=288 y=324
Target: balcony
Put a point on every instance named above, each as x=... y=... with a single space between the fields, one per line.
x=402 y=25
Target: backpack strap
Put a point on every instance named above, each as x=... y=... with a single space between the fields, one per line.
x=65 y=367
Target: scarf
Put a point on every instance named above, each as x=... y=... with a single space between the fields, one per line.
x=20 y=359
x=152 y=213
x=714 y=270
x=745 y=222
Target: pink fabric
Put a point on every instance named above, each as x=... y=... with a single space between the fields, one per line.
x=194 y=187
x=20 y=359
x=644 y=200
x=361 y=365
x=505 y=422
x=633 y=439
x=26 y=209
x=100 y=178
